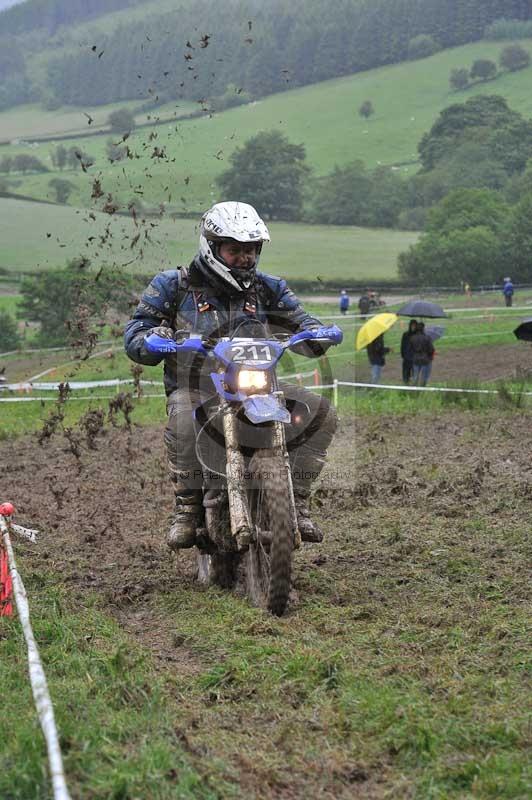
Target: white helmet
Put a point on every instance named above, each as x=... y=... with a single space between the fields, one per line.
x=236 y=221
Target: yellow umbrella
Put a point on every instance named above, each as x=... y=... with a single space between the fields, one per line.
x=378 y=324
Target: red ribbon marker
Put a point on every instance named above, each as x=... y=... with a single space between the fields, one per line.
x=6 y=584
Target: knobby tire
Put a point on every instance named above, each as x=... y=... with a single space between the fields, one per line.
x=268 y=575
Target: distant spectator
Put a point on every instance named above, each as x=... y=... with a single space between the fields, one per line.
x=364 y=303
x=508 y=291
x=422 y=355
x=406 y=351
x=344 y=302
x=376 y=353
x=467 y=290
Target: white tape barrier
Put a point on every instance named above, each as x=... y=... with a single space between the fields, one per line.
x=39 y=685
x=402 y=388
x=28 y=386
x=335 y=385
x=87 y=397
x=297 y=375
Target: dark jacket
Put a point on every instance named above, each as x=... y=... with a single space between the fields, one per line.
x=422 y=349
x=364 y=304
x=407 y=353
x=377 y=351
x=183 y=299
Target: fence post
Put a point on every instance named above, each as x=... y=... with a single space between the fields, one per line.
x=335 y=392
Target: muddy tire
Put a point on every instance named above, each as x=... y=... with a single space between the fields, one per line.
x=268 y=562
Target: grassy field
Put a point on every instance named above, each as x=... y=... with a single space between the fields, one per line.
x=296 y=251
x=33 y=121
x=407 y=98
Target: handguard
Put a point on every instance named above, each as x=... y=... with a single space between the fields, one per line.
x=315 y=339
x=159 y=344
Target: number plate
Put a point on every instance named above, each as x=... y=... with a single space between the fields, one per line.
x=250 y=352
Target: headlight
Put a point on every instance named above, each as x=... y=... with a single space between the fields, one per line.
x=252 y=380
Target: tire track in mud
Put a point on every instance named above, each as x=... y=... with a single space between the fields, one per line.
x=102 y=516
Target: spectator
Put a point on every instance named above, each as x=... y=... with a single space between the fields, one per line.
x=364 y=303
x=376 y=353
x=508 y=291
x=422 y=355
x=344 y=301
x=406 y=351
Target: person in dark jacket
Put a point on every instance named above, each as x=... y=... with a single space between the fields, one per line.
x=364 y=303
x=422 y=355
x=222 y=291
x=406 y=351
x=376 y=352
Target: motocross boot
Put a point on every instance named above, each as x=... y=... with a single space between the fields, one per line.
x=187 y=517
x=309 y=530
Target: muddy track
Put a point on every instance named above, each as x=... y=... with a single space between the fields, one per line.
x=103 y=513
x=407 y=504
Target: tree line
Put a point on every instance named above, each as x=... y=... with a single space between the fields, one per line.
x=512 y=58
x=274 y=47
x=472 y=195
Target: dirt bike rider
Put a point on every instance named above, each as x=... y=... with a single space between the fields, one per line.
x=218 y=291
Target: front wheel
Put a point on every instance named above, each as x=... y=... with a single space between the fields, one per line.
x=268 y=562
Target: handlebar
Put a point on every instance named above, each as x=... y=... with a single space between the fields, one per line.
x=193 y=343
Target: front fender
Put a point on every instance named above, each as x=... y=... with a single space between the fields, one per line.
x=265 y=408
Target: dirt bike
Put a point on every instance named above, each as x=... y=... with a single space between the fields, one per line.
x=250 y=528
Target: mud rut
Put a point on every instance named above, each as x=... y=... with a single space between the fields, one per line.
x=102 y=517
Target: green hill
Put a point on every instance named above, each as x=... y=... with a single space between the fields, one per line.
x=407 y=98
x=35 y=236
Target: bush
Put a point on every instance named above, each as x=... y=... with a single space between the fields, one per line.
x=483 y=69
x=121 y=120
x=61 y=188
x=233 y=96
x=514 y=57
x=9 y=336
x=68 y=303
x=25 y=163
x=422 y=46
x=366 y=109
x=459 y=78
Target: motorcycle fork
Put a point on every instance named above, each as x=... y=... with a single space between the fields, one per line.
x=239 y=515
x=241 y=523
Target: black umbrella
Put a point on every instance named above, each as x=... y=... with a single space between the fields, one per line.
x=524 y=330
x=421 y=308
x=434 y=331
